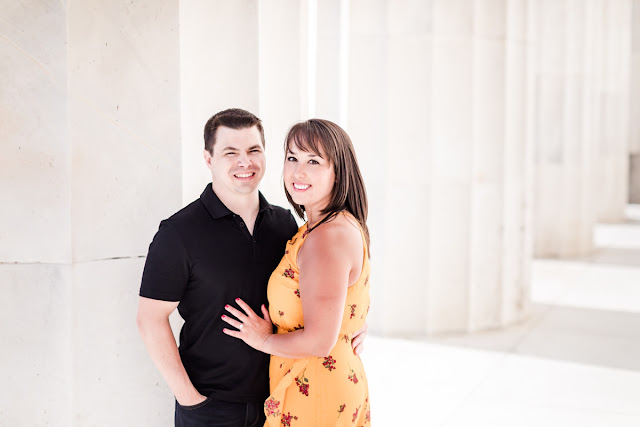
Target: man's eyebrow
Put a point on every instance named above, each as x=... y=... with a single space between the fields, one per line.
x=255 y=146
x=228 y=148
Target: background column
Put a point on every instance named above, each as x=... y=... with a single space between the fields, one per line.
x=35 y=220
x=566 y=117
x=634 y=97
x=124 y=110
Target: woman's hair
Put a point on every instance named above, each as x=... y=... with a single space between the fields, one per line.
x=323 y=137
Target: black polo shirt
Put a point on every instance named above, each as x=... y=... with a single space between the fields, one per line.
x=205 y=257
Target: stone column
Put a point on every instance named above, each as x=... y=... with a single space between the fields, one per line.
x=90 y=153
x=124 y=110
x=219 y=69
x=438 y=111
x=36 y=361
x=613 y=142
x=283 y=82
x=634 y=118
x=566 y=93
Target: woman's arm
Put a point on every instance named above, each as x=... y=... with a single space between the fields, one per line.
x=329 y=261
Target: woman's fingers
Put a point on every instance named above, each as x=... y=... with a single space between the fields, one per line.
x=237 y=313
x=233 y=322
x=243 y=305
x=265 y=314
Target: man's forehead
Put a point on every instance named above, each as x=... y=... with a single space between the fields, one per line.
x=239 y=139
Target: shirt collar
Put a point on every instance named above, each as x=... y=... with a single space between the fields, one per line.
x=217 y=209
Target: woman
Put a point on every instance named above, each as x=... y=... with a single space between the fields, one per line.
x=318 y=295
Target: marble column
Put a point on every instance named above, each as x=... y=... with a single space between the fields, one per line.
x=90 y=152
x=612 y=151
x=439 y=113
x=283 y=93
x=219 y=69
x=634 y=115
x=36 y=361
x=124 y=110
x=566 y=124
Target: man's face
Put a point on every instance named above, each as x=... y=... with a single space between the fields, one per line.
x=238 y=161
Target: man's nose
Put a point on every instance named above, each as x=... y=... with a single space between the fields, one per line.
x=243 y=160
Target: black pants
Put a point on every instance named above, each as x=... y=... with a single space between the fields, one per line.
x=218 y=413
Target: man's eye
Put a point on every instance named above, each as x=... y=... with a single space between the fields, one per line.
x=230 y=154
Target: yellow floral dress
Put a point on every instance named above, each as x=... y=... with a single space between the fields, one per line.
x=316 y=391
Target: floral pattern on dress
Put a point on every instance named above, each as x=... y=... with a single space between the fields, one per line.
x=352 y=376
x=303 y=384
x=271 y=407
x=288 y=272
x=329 y=363
x=341 y=409
x=355 y=414
x=297 y=292
x=352 y=307
x=286 y=419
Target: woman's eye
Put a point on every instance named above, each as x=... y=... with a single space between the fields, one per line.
x=291 y=159
x=314 y=162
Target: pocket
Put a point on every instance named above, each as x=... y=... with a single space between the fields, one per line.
x=197 y=405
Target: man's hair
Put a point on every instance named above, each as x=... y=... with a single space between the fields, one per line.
x=234 y=118
x=349 y=194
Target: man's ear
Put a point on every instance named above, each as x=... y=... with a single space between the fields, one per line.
x=207 y=157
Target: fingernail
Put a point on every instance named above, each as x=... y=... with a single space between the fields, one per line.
x=226 y=306
x=237 y=299
x=223 y=316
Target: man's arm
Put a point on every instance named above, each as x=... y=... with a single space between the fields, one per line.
x=155 y=330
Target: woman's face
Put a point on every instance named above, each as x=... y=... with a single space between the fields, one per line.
x=309 y=178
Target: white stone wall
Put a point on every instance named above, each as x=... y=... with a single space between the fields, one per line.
x=89 y=142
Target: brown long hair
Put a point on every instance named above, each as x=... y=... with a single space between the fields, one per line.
x=349 y=194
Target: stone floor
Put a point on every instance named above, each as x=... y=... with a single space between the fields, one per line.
x=574 y=362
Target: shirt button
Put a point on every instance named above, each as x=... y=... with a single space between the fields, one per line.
x=241 y=224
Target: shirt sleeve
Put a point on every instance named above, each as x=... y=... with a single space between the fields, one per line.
x=166 y=269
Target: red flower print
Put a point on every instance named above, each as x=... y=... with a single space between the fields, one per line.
x=353 y=310
x=281 y=313
x=297 y=292
x=289 y=273
x=305 y=233
x=352 y=376
x=295 y=328
x=329 y=362
x=303 y=384
x=366 y=281
x=346 y=338
x=341 y=409
x=367 y=415
x=355 y=414
x=292 y=241
x=286 y=252
x=271 y=407
x=286 y=419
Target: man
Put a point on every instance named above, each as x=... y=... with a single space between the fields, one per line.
x=220 y=247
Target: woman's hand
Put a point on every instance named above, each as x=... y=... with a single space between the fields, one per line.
x=357 y=341
x=252 y=329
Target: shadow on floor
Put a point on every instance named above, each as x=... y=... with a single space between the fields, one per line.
x=586 y=336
